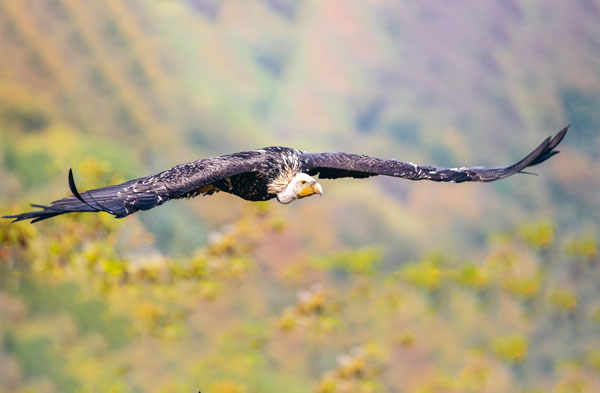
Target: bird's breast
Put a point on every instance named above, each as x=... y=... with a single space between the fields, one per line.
x=252 y=186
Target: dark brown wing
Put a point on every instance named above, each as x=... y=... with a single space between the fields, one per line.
x=145 y=193
x=336 y=165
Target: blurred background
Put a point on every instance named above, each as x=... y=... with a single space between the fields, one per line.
x=382 y=285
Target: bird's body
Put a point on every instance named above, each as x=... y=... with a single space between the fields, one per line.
x=275 y=168
x=264 y=173
x=259 y=175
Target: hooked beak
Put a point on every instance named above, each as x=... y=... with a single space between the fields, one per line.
x=317 y=188
x=311 y=189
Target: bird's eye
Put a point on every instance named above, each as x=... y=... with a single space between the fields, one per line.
x=303 y=182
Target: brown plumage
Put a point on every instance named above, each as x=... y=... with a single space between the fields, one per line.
x=259 y=175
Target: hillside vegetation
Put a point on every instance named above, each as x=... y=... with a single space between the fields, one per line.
x=85 y=313
x=382 y=285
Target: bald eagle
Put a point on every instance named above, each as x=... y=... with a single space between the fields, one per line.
x=273 y=172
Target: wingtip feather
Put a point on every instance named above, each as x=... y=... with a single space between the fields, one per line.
x=534 y=155
x=14 y=217
x=559 y=137
x=73 y=187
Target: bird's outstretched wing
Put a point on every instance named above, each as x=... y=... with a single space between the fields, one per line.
x=181 y=181
x=336 y=165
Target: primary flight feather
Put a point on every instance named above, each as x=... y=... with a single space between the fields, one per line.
x=259 y=175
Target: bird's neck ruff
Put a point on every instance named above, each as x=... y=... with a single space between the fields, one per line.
x=290 y=167
x=300 y=186
x=281 y=182
x=288 y=193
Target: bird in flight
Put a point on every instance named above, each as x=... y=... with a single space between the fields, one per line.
x=258 y=175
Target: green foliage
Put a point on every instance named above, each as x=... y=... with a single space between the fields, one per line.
x=471 y=275
x=40 y=358
x=586 y=248
x=70 y=296
x=540 y=234
x=26 y=118
x=381 y=286
x=512 y=349
x=32 y=168
x=426 y=274
x=563 y=299
x=360 y=261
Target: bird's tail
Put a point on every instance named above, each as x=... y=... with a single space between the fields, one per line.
x=107 y=199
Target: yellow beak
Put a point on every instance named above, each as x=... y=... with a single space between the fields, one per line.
x=317 y=189
x=311 y=189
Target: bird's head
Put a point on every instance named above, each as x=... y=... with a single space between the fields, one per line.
x=301 y=186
